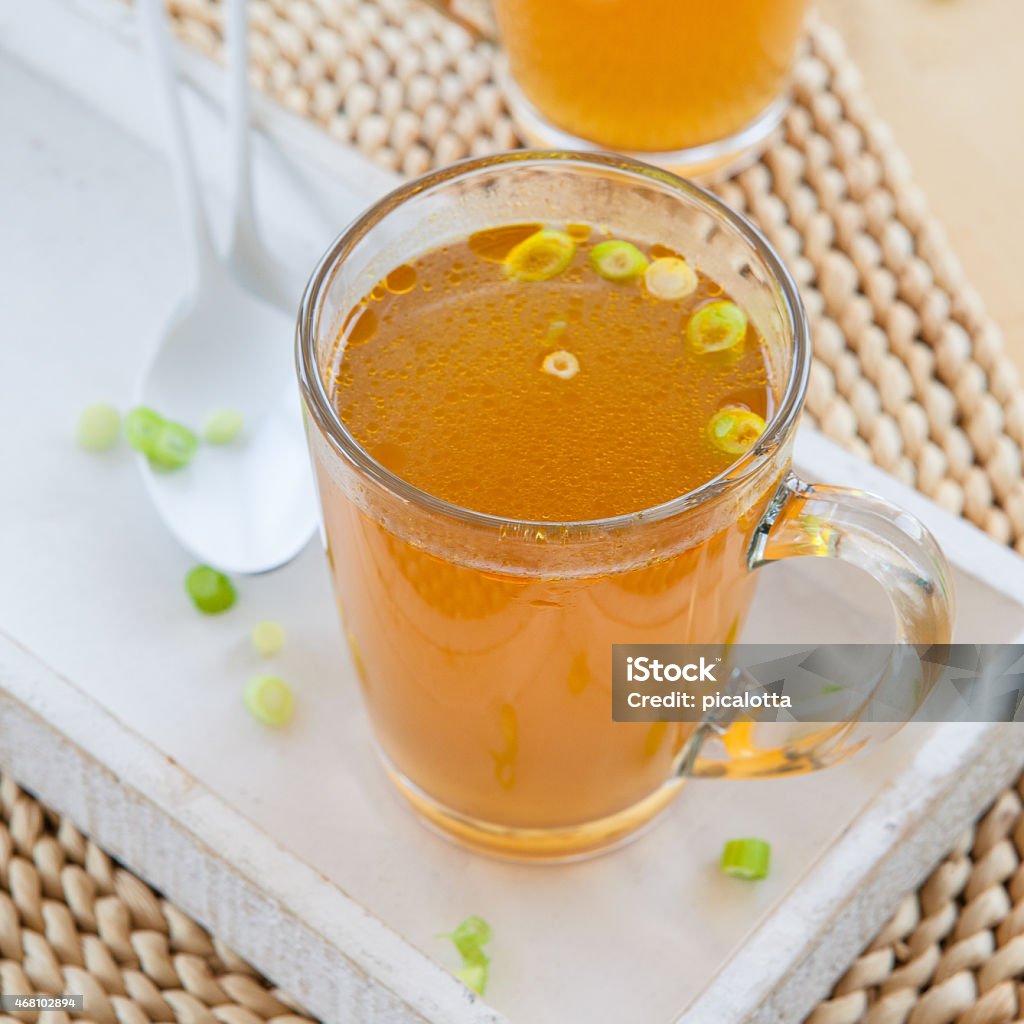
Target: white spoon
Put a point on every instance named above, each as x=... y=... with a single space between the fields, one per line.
x=248 y=506
x=248 y=258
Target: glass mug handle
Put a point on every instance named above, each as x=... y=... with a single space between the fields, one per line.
x=863 y=530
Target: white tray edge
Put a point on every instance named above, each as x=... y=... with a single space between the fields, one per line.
x=277 y=912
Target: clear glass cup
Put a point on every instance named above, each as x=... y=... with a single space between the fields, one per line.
x=692 y=86
x=483 y=644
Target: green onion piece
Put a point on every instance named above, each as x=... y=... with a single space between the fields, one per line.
x=545 y=254
x=267 y=638
x=141 y=428
x=175 y=446
x=474 y=977
x=211 y=591
x=746 y=858
x=734 y=429
x=615 y=260
x=716 y=327
x=222 y=426
x=561 y=364
x=269 y=700
x=99 y=427
x=469 y=939
x=556 y=328
x=670 y=277
x=470 y=936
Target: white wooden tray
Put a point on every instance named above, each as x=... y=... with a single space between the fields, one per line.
x=120 y=706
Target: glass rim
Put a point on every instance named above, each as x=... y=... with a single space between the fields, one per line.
x=325 y=414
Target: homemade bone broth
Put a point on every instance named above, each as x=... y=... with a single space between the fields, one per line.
x=551 y=374
x=650 y=74
x=508 y=375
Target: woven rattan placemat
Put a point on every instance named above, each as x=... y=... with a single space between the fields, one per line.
x=909 y=372
x=72 y=920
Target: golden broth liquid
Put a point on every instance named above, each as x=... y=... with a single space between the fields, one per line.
x=491 y=690
x=654 y=75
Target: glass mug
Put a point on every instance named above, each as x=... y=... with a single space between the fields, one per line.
x=686 y=84
x=483 y=644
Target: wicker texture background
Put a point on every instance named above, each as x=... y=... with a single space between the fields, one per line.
x=953 y=952
x=909 y=372
x=73 y=921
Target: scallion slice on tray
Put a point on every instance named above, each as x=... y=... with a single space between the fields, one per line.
x=746 y=858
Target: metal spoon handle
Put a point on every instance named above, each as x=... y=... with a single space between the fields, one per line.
x=244 y=236
x=157 y=46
